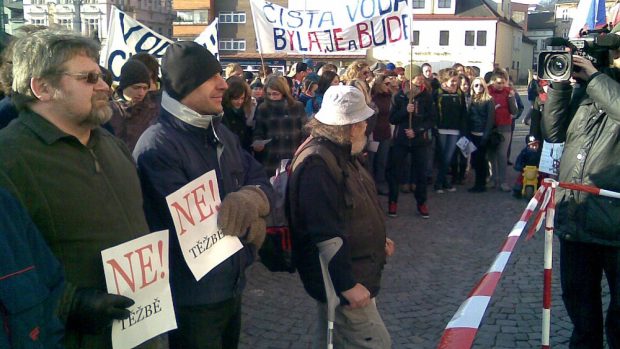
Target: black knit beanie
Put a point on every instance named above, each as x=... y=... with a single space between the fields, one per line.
x=185 y=66
x=134 y=72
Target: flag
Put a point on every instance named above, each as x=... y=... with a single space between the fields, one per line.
x=590 y=15
x=614 y=15
x=208 y=38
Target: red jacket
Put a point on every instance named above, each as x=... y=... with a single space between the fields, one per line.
x=504 y=106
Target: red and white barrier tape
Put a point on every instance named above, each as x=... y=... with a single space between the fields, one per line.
x=462 y=328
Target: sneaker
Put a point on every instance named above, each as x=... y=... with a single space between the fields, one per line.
x=423 y=210
x=438 y=190
x=449 y=188
x=505 y=187
x=392 y=207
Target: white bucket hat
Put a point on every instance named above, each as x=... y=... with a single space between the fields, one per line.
x=343 y=105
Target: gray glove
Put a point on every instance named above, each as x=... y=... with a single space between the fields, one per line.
x=241 y=210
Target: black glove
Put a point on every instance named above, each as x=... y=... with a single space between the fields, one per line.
x=93 y=310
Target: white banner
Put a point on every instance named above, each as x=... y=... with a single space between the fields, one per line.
x=194 y=209
x=208 y=38
x=139 y=269
x=350 y=25
x=126 y=37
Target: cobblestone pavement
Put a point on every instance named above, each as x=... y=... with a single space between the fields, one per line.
x=436 y=264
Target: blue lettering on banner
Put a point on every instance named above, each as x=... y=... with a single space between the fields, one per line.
x=330 y=18
x=295 y=15
x=388 y=9
x=118 y=53
x=131 y=30
x=266 y=6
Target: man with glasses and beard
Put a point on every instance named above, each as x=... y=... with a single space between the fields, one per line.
x=77 y=182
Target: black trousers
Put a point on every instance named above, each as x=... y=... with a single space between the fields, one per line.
x=213 y=326
x=581 y=270
x=397 y=170
x=479 y=162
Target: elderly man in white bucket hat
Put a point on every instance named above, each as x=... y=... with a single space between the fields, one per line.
x=332 y=196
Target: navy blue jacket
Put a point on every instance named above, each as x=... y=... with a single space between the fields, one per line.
x=8 y=111
x=31 y=282
x=171 y=154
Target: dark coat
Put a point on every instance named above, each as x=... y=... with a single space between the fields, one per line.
x=481 y=117
x=324 y=209
x=451 y=110
x=130 y=121
x=282 y=124
x=235 y=121
x=423 y=118
x=31 y=282
x=171 y=154
x=382 y=130
x=591 y=156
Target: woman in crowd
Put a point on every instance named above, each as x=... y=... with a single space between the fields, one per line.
x=459 y=162
x=237 y=102
x=452 y=115
x=382 y=98
x=279 y=120
x=233 y=69
x=357 y=70
x=481 y=118
x=308 y=87
x=413 y=114
x=329 y=78
x=505 y=107
x=133 y=110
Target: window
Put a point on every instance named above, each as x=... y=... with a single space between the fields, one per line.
x=91 y=26
x=444 y=38
x=444 y=4
x=518 y=17
x=481 y=39
x=469 y=37
x=565 y=15
x=232 y=45
x=415 y=38
x=232 y=17
x=565 y=34
x=195 y=16
x=67 y=23
x=419 y=4
x=38 y=21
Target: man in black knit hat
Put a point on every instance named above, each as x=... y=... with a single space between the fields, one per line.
x=188 y=141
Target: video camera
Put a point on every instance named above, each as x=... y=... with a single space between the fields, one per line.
x=594 y=45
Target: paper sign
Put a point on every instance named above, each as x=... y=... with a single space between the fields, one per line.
x=139 y=269
x=194 y=209
x=466 y=146
x=262 y=142
x=550 y=158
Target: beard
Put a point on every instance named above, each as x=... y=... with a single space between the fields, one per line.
x=100 y=112
x=358 y=145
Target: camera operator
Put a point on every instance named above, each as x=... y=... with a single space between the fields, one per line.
x=588 y=226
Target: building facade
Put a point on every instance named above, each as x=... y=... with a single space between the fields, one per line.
x=470 y=32
x=91 y=17
x=541 y=26
x=192 y=17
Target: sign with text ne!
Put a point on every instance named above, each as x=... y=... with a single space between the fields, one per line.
x=194 y=209
x=139 y=269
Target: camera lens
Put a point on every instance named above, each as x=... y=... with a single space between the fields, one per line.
x=557 y=65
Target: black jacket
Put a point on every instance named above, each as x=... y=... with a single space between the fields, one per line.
x=323 y=207
x=591 y=156
x=423 y=118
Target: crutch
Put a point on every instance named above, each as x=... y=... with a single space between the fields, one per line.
x=327 y=250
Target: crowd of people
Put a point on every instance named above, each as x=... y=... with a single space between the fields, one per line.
x=83 y=169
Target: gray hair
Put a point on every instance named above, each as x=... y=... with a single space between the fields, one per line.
x=337 y=134
x=42 y=55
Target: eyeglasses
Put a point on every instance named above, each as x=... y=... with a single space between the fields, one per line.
x=91 y=77
x=477 y=85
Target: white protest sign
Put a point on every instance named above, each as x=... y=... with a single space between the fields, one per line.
x=466 y=146
x=126 y=37
x=194 y=209
x=550 y=158
x=348 y=25
x=139 y=269
x=208 y=38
